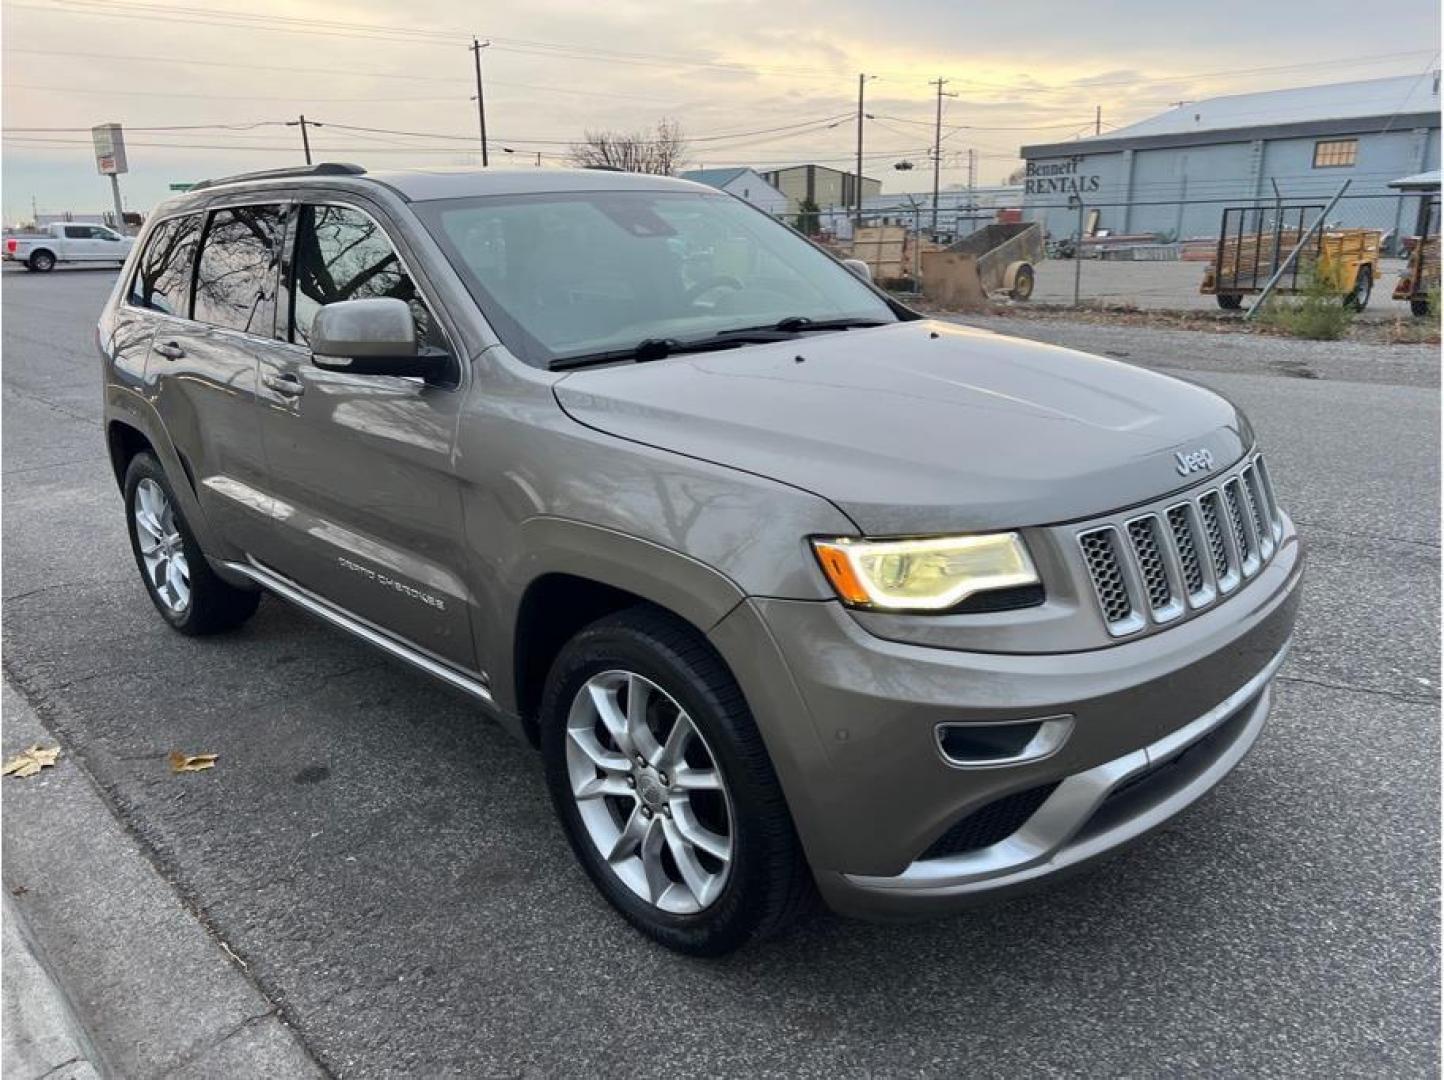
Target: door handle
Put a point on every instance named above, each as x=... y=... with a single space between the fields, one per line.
x=170 y=350
x=287 y=385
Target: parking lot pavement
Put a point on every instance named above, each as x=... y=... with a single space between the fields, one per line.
x=385 y=862
x=1170 y=285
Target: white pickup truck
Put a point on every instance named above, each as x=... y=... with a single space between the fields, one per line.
x=66 y=241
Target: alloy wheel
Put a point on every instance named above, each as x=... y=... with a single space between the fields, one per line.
x=162 y=551
x=649 y=792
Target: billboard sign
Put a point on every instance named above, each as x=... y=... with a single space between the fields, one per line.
x=109 y=149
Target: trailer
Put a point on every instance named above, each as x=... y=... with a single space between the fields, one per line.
x=1254 y=241
x=1421 y=271
x=1007 y=254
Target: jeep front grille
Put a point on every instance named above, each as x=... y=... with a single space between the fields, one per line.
x=1100 y=551
x=1154 y=566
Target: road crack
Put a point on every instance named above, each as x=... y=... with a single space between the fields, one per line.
x=1395 y=695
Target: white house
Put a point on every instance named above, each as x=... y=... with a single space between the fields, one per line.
x=745 y=184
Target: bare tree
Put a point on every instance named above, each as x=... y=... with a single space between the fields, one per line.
x=660 y=151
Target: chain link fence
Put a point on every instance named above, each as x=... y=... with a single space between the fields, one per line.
x=1156 y=254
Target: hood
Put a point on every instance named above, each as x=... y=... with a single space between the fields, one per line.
x=923 y=427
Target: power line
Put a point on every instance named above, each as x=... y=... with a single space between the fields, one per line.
x=414 y=35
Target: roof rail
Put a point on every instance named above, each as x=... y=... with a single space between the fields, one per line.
x=324 y=168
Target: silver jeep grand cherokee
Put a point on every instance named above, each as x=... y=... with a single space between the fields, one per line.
x=794 y=589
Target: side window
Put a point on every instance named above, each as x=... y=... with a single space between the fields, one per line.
x=236 y=275
x=162 y=279
x=79 y=232
x=342 y=254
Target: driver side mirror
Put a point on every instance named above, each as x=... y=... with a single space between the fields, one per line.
x=860 y=268
x=373 y=337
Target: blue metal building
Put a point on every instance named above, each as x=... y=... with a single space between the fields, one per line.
x=1172 y=174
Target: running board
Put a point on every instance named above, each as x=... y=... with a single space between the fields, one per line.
x=367 y=633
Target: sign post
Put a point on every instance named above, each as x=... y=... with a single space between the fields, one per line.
x=110 y=161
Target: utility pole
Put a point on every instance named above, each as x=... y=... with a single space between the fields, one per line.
x=972 y=185
x=1097 y=119
x=857 y=185
x=476 y=47
x=305 y=139
x=939 y=82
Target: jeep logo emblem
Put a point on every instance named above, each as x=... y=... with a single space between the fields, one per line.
x=1200 y=460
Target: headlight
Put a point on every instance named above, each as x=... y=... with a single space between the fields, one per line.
x=923 y=575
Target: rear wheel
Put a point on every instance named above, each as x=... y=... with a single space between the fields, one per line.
x=1419 y=307
x=185 y=590
x=41 y=261
x=1229 y=301
x=1358 y=297
x=664 y=788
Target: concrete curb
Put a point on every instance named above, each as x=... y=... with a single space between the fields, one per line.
x=114 y=972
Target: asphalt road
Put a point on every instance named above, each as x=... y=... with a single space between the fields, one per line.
x=385 y=862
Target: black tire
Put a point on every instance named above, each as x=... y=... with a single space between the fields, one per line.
x=1419 y=307
x=42 y=262
x=1022 y=284
x=769 y=883
x=214 y=606
x=1358 y=297
x=1229 y=301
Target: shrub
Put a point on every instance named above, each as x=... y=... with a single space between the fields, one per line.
x=1317 y=312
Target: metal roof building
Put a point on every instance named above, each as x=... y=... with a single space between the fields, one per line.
x=1172 y=174
x=744 y=182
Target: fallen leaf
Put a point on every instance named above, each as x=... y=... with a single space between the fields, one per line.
x=191 y=762
x=29 y=762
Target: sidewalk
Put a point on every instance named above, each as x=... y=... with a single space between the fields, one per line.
x=105 y=972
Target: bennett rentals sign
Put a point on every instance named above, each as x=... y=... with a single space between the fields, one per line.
x=1058 y=178
x=109 y=149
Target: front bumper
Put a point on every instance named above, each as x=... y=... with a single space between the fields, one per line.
x=1089 y=814
x=850 y=721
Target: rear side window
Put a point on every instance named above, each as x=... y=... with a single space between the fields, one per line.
x=162 y=279
x=79 y=232
x=237 y=272
x=342 y=254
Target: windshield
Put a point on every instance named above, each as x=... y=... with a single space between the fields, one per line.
x=570 y=274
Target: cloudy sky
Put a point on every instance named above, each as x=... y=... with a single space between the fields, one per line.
x=207 y=90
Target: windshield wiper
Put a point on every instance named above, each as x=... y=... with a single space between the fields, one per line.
x=800 y=324
x=661 y=348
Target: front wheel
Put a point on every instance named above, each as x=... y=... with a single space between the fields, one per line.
x=185 y=590
x=664 y=788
